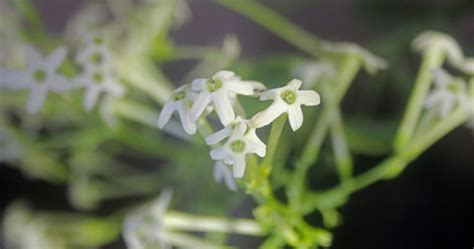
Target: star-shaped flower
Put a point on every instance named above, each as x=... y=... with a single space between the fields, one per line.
x=143 y=227
x=286 y=99
x=242 y=140
x=40 y=75
x=222 y=173
x=216 y=90
x=448 y=92
x=180 y=101
x=97 y=81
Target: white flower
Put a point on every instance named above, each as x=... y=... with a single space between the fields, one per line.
x=40 y=75
x=180 y=101
x=242 y=140
x=143 y=227
x=371 y=63
x=312 y=72
x=286 y=99
x=448 y=92
x=216 y=90
x=430 y=39
x=97 y=72
x=97 y=81
x=222 y=173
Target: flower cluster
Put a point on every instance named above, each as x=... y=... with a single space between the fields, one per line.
x=42 y=75
x=238 y=137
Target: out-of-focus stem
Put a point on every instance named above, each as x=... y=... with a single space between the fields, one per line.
x=432 y=59
x=181 y=221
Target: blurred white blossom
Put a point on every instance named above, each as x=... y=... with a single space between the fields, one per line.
x=143 y=227
x=311 y=72
x=222 y=173
x=448 y=92
x=286 y=99
x=40 y=76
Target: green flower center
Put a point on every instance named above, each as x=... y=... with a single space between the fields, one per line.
x=179 y=95
x=288 y=96
x=96 y=58
x=237 y=146
x=97 y=77
x=454 y=87
x=213 y=85
x=39 y=75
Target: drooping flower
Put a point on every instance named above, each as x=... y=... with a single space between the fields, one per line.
x=40 y=76
x=222 y=173
x=143 y=226
x=447 y=44
x=448 y=92
x=216 y=90
x=311 y=72
x=241 y=140
x=181 y=102
x=287 y=99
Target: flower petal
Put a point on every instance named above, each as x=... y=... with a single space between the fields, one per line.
x=294 y=84
x=267 y=116
x=188 y=126
x=223 y=106
x=37 y=96
x=33 y=57
x=239 y=165
x=199 y=84
x=56 y=58
x=308 y=97
x=165 y=114
x=256 y=147
x=223 y=75
x=269 y=94
x=202 y=100
x=220 y=153
x=239 y=87
x=218 y=136
x=295 y=116
x=90 y=99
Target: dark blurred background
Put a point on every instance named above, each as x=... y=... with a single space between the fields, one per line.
x=431 y=205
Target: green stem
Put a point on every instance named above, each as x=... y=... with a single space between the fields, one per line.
x=182 y=240
x=181 y=221
x=348 y=70
x=389 y=168
x=278 y=25
x=432 y=59
x=342 y=154
x=274 y=138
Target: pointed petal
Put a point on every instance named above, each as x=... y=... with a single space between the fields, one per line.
x=218 y=174
x=165 y=114
x=218 y=136
x=223 y=106
x=223 y=75
x=239 y=87
x=269 y=94
x=33 y=57
x=295 y=84
x=308 y=97
x=220 y=153
x=255 y=147
x=226 y=175
x=56 y=58
x=13 y=79
x=295 y=116
x=188 y=126
x=199 y=84
x=267 y=116
x=239 y=166
x=202 y=101
x=90 y=98
x=37 y=96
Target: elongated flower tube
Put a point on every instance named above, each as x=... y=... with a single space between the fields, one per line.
x=242 y=140
x=448 y=92
x=286 y=99
x=447 y=44
x=40 y=76
x=180 y=102
x=216 y=90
